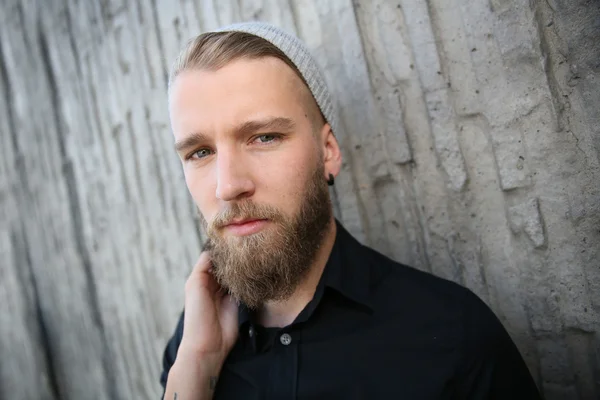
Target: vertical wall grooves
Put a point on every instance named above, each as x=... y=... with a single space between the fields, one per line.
x=77 y=222
x=8 y=100
x=117 y=133
x=52 y=367
x=72 y=44
x=156 y=162
x=18 y=241
x=438 y=99
x=129 y=131
x=159 y=39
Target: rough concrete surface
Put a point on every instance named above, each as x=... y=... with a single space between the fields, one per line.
x=471 y=138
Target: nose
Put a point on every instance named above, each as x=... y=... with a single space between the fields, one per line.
x=233 y=179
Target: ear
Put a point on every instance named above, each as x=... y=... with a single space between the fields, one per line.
x=332 y=156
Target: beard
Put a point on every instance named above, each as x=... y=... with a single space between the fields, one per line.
x=270 y=264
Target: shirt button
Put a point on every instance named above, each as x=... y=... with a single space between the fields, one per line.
x=285 y=339
x=251 y=331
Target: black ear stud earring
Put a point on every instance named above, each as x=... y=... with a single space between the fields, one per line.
x=330 y=181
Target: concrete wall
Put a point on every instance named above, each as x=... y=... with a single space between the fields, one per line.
x=471 y=140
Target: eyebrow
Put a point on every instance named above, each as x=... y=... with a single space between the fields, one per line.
x=192 y=140
x=273 y=124
x=279 y=124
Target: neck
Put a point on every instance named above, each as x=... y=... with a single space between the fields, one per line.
x=283 y=313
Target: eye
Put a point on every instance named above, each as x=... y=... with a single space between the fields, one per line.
x=266 y=138
x=201 y=153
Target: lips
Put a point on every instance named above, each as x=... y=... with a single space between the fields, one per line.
x=243 y=221
x=245 y=227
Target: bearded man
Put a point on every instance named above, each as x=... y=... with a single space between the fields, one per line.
x=284 y=303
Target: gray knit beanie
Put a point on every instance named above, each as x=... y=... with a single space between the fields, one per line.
x=297 y=52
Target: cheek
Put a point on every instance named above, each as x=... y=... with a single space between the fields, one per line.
x=198 y=185
x=288 y=180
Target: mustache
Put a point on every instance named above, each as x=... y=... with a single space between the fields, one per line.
x=241 y=211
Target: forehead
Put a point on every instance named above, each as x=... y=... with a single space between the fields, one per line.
x=241 y=90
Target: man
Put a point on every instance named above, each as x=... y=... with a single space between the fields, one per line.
x=284 y=303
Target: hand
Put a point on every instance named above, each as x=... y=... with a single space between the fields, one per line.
x=210 y=328
x=210 y=325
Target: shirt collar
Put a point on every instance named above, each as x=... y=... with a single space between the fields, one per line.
x=346 y=272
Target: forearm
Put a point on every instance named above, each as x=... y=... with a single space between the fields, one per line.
x=192 y=378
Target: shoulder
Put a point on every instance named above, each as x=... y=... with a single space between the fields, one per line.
x=429 y=302
x=402 y=294
x=401 y=284
x=436 y=314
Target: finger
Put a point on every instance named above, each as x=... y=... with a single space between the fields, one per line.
x=203 y=264
x=201 y=275
x=200 y=289
x=200 y=283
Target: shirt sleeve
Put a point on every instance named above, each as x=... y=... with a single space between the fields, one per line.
x=170 y=353
x=492 y=367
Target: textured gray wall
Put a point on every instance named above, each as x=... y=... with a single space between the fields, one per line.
x=471 y=139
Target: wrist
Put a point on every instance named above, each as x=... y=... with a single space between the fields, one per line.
x=191 y=377
x=190 y=354
x=203 y=363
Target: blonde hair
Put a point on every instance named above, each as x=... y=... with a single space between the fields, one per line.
x=214 y=50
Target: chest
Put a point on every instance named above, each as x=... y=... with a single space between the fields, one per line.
x=368 y=363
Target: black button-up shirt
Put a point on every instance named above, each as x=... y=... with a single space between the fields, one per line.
x=375 y=329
